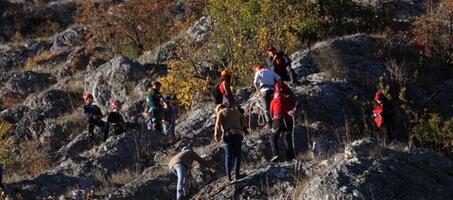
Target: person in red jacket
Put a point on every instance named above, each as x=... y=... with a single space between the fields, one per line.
x=282 y=107
x=383 y=113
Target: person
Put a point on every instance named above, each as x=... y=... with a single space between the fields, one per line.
x=115 y=119
x=264 y=82
x=225 y=87
x=383 y=118
x=282 y=107
x=281 y=64
x=230 y=127
x=93 y=115
x=169 y=117
x=180 y=165
x=154 y=108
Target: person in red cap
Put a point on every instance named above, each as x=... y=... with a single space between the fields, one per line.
x=264 y=82
x=281 y=64
x=383 y=118
x=282 y=107
x=115 y=119
x=93 y=115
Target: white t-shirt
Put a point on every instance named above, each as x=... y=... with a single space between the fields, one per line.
x=266 y=78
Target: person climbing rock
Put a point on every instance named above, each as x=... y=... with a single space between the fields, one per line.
x=180 y=165
x=225 y=87
x=154 y=108
x=115 y=119
x=383 y=116
x=264 y=82
x=93 y=115
x=169 y=118
x=230 y=127
x=281 y=64
x=282 y=107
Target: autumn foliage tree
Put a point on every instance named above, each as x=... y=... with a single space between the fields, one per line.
x=433 y=31
x=131 y=27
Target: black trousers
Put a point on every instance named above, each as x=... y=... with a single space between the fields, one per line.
x=284 y=127
x=101 y=124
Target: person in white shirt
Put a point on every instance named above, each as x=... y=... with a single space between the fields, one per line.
x=264 y=82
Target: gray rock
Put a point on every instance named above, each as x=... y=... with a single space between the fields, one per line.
x=49 y=184
x=29 y=82
x=198 y=32
x=49 y=104
x=67 y=40
x=271 y=182
x=366 y=171
x=115 y=79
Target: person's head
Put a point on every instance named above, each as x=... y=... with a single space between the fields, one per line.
x=225 y=75
x=258 y=67
x=379 y=97
x=271 y=51
x=116 y=105
x=167 y=99
x=88 y=98
x=156 y=85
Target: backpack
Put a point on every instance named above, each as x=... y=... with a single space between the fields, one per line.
x=285 y=58
x=216 y=95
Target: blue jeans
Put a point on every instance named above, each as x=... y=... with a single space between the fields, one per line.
x=181 y=171
x=232 y=154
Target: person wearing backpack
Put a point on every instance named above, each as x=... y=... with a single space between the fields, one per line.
x=180 y=165
x=282 y=107
x=383 y=116
x=264 y=82
x=230 y=127
x=154 y=108
x=281 y=64
x=93 y=115
x=115 y=119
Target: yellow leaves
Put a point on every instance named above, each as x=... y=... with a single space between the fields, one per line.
x=4 y=127
x=182 y=83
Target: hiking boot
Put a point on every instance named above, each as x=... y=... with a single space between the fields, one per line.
x=275 y=158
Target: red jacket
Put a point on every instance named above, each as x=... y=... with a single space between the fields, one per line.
x=281 y=105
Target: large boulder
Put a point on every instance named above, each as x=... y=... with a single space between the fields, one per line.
x=367 y=171
x=49 y=104
x=49 y=184
x=25 y=83
x=115 y=79
x=67 y=40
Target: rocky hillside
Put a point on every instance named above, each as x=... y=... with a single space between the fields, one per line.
x=47 y=152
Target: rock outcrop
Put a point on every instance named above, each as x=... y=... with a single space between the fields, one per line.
x=367 y=171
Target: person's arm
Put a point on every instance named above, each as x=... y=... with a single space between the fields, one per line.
x=218 y=127
x=200 y=160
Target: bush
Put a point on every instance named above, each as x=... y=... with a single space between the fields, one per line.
x=434 y=132
x=432 y=32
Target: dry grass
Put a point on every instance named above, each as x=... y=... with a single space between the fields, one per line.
x=38 y=59
x=115 y=181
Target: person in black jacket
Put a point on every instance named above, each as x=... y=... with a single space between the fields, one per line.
x=93 y=115
x=115 y=119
